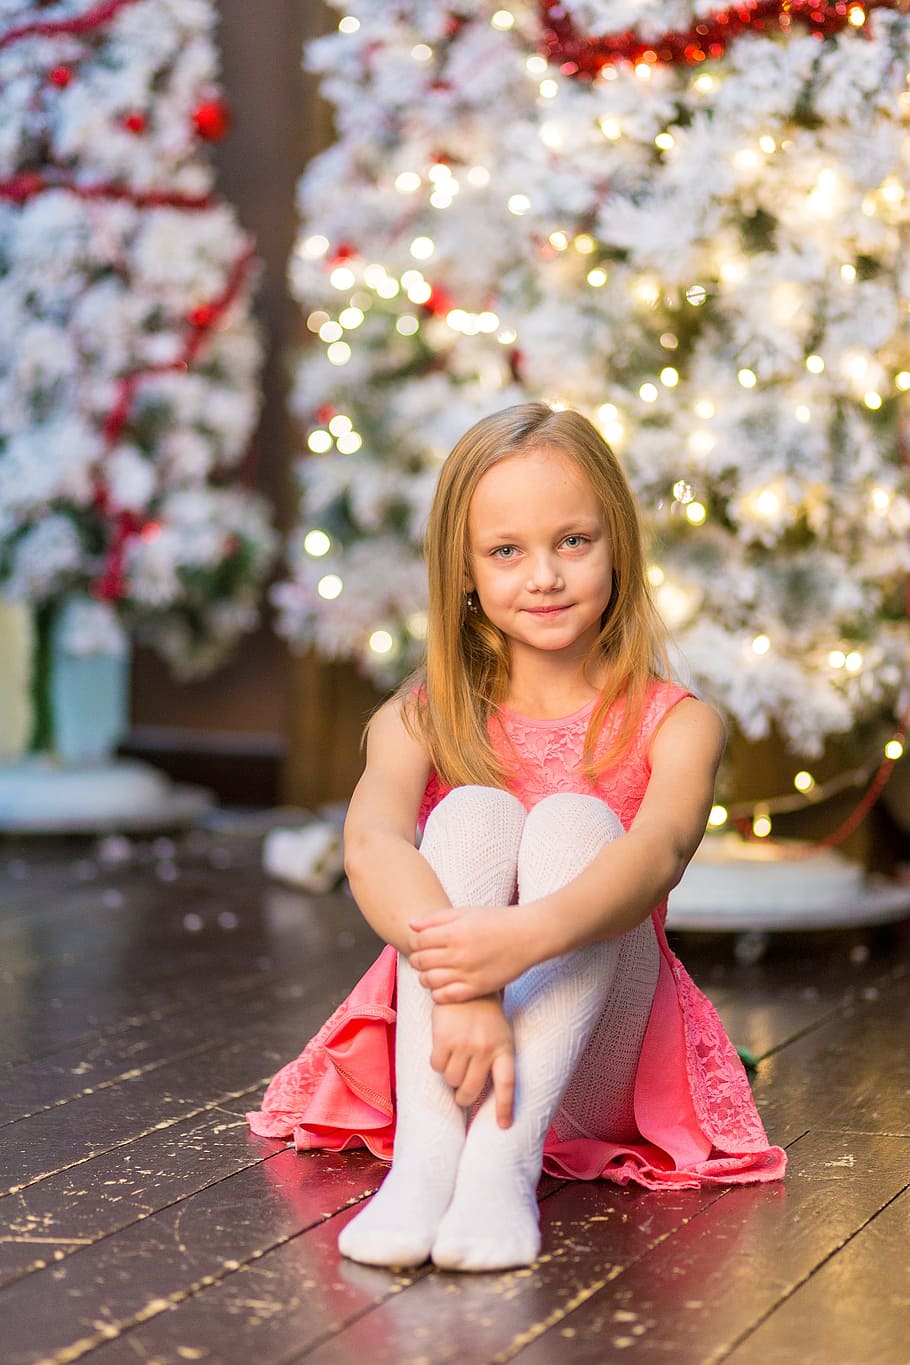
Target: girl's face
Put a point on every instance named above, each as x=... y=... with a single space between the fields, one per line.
x=539 y=553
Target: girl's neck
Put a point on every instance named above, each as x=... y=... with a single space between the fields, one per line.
x=549 y=689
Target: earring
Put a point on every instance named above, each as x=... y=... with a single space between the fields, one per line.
x=470 y=602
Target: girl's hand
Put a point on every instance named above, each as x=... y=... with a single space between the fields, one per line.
x=462 y=954
x=471 y=1043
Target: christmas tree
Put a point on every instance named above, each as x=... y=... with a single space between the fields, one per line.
x=129 y=378
x=688 y=222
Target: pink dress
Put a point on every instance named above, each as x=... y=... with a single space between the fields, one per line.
x=693 y=1105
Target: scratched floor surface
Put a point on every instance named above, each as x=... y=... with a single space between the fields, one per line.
x=150 y=990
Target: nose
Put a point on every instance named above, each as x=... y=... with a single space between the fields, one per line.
x=544 y=574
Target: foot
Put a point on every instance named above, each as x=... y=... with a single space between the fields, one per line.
x=491 y=1224
x=400 y=1223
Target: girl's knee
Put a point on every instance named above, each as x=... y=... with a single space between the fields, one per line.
x=473 y=811
x=568 y=816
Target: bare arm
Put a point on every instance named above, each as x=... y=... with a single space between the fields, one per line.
x=390 y=881
x=463 y=954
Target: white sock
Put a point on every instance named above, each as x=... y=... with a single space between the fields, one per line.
x=471 y=841
x=492 y=1222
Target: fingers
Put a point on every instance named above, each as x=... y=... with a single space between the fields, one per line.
x=472 y=1084
x=503 y=1072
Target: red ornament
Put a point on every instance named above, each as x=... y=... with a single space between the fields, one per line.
x=212 y=119
x=135 y=122
x=203 y=316
x=439 y=302
x=61 y=77
x=325 y=414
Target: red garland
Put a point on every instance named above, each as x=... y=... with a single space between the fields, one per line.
x=27 y=184
x=586 y=56
x=50 y=28
x=110 y=585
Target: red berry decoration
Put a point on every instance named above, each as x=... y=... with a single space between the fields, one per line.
x=135 y=122
x=212 y=119
x=61 y=77
x=203 y=316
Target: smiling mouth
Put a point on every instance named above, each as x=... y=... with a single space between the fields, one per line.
x=547 y=611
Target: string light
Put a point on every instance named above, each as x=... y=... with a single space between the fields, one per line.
x=340 y=424
x=339 y=353
x=718 y=816
x=597 y=278
x=422 y=248
x=319 y=441
x=894 y=750
x=408 y=182
x=342 y=278
x=407 y=325
x=696 y=513
x=669 y=377
x=747 y=378
x=503 y=20
x=648 y=393
x=761 y=824
x=804 y=782
x=317 y=544
x=330 y=587
x=349 y=24
x=761 y=644
x=381 y=642
x=815 y=364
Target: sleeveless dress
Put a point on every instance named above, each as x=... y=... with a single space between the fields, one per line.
x=694 y=1109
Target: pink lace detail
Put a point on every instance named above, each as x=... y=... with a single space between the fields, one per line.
x=720 y=1089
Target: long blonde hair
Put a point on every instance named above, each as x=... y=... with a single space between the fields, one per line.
x=448 y=704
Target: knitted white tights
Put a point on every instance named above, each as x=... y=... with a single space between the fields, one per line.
x=593 y=1003
x=471 y=841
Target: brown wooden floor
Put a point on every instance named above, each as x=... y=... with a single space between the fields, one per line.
x=145 y=1004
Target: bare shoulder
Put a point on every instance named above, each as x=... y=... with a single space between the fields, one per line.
x=391 y=731
x=690 y=729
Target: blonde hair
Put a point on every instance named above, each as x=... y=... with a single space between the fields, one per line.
x=466 y=673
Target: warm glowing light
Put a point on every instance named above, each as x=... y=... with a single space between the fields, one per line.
x=656 y=575
x=704 y=83
x=854 y=661
x=761 y=644
x=701 y=443
x=559 y=241
x=613 y=433
x=746 y=159
x=584 y=243
x=643 y=71
x=342 y=278
x=894 y=749
x=503 y=19
x=704 y=409
x=548 y=88
x=767 y=144
x=350 y=443
x=767 y=504
x=407 y=182
x=381 y=642
x=330 y=587
x=316 y=319
x=696 y=513
x=479 y=177
x=417 y=625
x=803 y=414
x=747 y=378
x=351 y=318
x=682 y=491
x=597 y=278
x=610 y=129
x=669 y=377
x=761 y=826
x=647 y=291
x=803 y=781
x=339 y=353
x=317 y=544
x=536 y=66
x=421 y=52
x=718 y=816
x=902 y=380
x=422 y=248
x=349 y=24
x=665 y=141
x=607 y=412
x=669 y=341
x=872 y=400
x=407 y=325
x=648 y=393
x=340 y=425
x=519 y=204
x=314 y=248
x=696 y=294
x=319 y=441
x=848 y=272
x=856 y=16
x=815 y=364
x=331 y=331
x=837 y=658
x=880 y=499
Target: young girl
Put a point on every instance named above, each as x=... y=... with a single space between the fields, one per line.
x=527 y=1011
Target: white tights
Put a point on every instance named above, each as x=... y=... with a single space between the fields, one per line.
x=468 y=1197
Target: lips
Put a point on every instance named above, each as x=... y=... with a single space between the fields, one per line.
x=546 y=611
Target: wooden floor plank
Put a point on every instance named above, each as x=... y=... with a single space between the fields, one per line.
x=693 y=1297
x=120 y=1281
x=837 y=1314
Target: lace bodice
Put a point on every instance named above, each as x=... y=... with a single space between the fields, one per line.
x=546 y=756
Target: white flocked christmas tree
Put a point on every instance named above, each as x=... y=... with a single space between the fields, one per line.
x=129 y=367
x=689 y=222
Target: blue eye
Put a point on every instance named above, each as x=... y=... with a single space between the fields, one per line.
x=505 y=552
x=575 y=542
